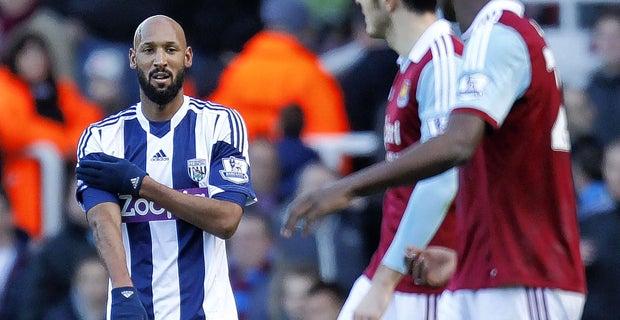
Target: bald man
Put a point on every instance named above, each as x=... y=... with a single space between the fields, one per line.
x=159 y=191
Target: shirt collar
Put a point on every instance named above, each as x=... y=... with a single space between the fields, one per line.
x=492 y=11
x=439 y=28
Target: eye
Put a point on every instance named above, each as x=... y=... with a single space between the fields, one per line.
x=147 y=50
x=171 y=49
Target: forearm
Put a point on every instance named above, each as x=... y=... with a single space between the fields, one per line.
x=423 y=160
x=386 y=279
x=214 y=216
x=427 y=207
x=414 y=164
x=105 y=221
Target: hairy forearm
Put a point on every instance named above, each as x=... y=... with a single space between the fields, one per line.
x=214 y=216
x=105 y=221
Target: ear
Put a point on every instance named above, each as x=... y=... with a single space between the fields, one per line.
x=132 y=58
x=189 y=57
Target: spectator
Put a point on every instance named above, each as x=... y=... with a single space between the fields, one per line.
x=323 y=301
x=592 y=195
x=293 y=153
x=88 y=295
x=600 y=246
x=48 y=277
x=274 y=69
x=336 y=247
x=43 y=108
x=250 y=263
x=290 y=285
x=229 y=24
x=579 y=113
x=604 y=86
x=14 y=257
x=265 y=176
x=365 y=69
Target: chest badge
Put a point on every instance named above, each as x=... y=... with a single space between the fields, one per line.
x=403 y=94
x=197 y=169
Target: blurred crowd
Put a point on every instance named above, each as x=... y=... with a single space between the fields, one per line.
x=297 y=71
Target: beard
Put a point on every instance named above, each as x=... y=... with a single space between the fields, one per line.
x=158 y=95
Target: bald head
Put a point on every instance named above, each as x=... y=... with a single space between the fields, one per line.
x=159 y=23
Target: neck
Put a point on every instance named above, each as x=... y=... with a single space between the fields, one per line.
x=155 y=112
x=466 y=12
x=407 y=28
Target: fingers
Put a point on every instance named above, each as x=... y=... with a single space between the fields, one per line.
x=109 y=158
x=87 y=164
x=295 y=214
x=86 y=172
x=416 y=265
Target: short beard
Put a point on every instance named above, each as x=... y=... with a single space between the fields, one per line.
x=159 y=96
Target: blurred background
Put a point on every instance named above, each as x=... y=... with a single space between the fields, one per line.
x=311 y=86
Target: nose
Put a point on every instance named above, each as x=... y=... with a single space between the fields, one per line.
x=160 y=58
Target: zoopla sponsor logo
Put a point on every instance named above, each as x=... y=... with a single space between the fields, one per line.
x=143 y=210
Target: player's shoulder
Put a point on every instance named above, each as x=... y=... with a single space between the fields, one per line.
x=208 y=108
x=116 y=118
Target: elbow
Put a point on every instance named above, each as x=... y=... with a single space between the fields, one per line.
x=462 y=151
x=227 y=231
x=229 y=222
x=462 y=155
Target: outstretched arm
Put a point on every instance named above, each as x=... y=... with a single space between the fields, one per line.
x=456 y=146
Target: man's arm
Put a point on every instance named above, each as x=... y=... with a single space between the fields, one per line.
x=456 y=146
x=105 y=222
x=117 y=175
x=218 y=217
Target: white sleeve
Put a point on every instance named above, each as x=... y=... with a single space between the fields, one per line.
x=426 y=210
x=496 y=72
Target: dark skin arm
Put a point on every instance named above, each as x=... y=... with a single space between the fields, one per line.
x=455 y=147
x=105 y=221
x=217 y=217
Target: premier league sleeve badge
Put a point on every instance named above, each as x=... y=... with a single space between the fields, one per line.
x=235 y=170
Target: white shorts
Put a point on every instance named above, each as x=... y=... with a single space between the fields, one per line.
x=511 y=303
x=409 y=306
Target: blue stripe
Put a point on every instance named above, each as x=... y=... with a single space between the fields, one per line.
x=191 y=271
x=238 y=134
x=140 y=242
x=184 y=148
x=191 y=249
x=142 y=262
x=135 y=143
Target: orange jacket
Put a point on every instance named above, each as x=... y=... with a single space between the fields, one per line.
x=20 y=126
x=275 y=70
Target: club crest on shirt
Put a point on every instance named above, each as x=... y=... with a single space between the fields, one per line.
x=235 y=170
x=472 y=86
x=197 y=169
x=403 y=94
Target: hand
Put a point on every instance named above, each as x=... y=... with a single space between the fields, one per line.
x=308 y=207
x=110 y=173
x=126 y=305
x=374 y=304
x=433 y=266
